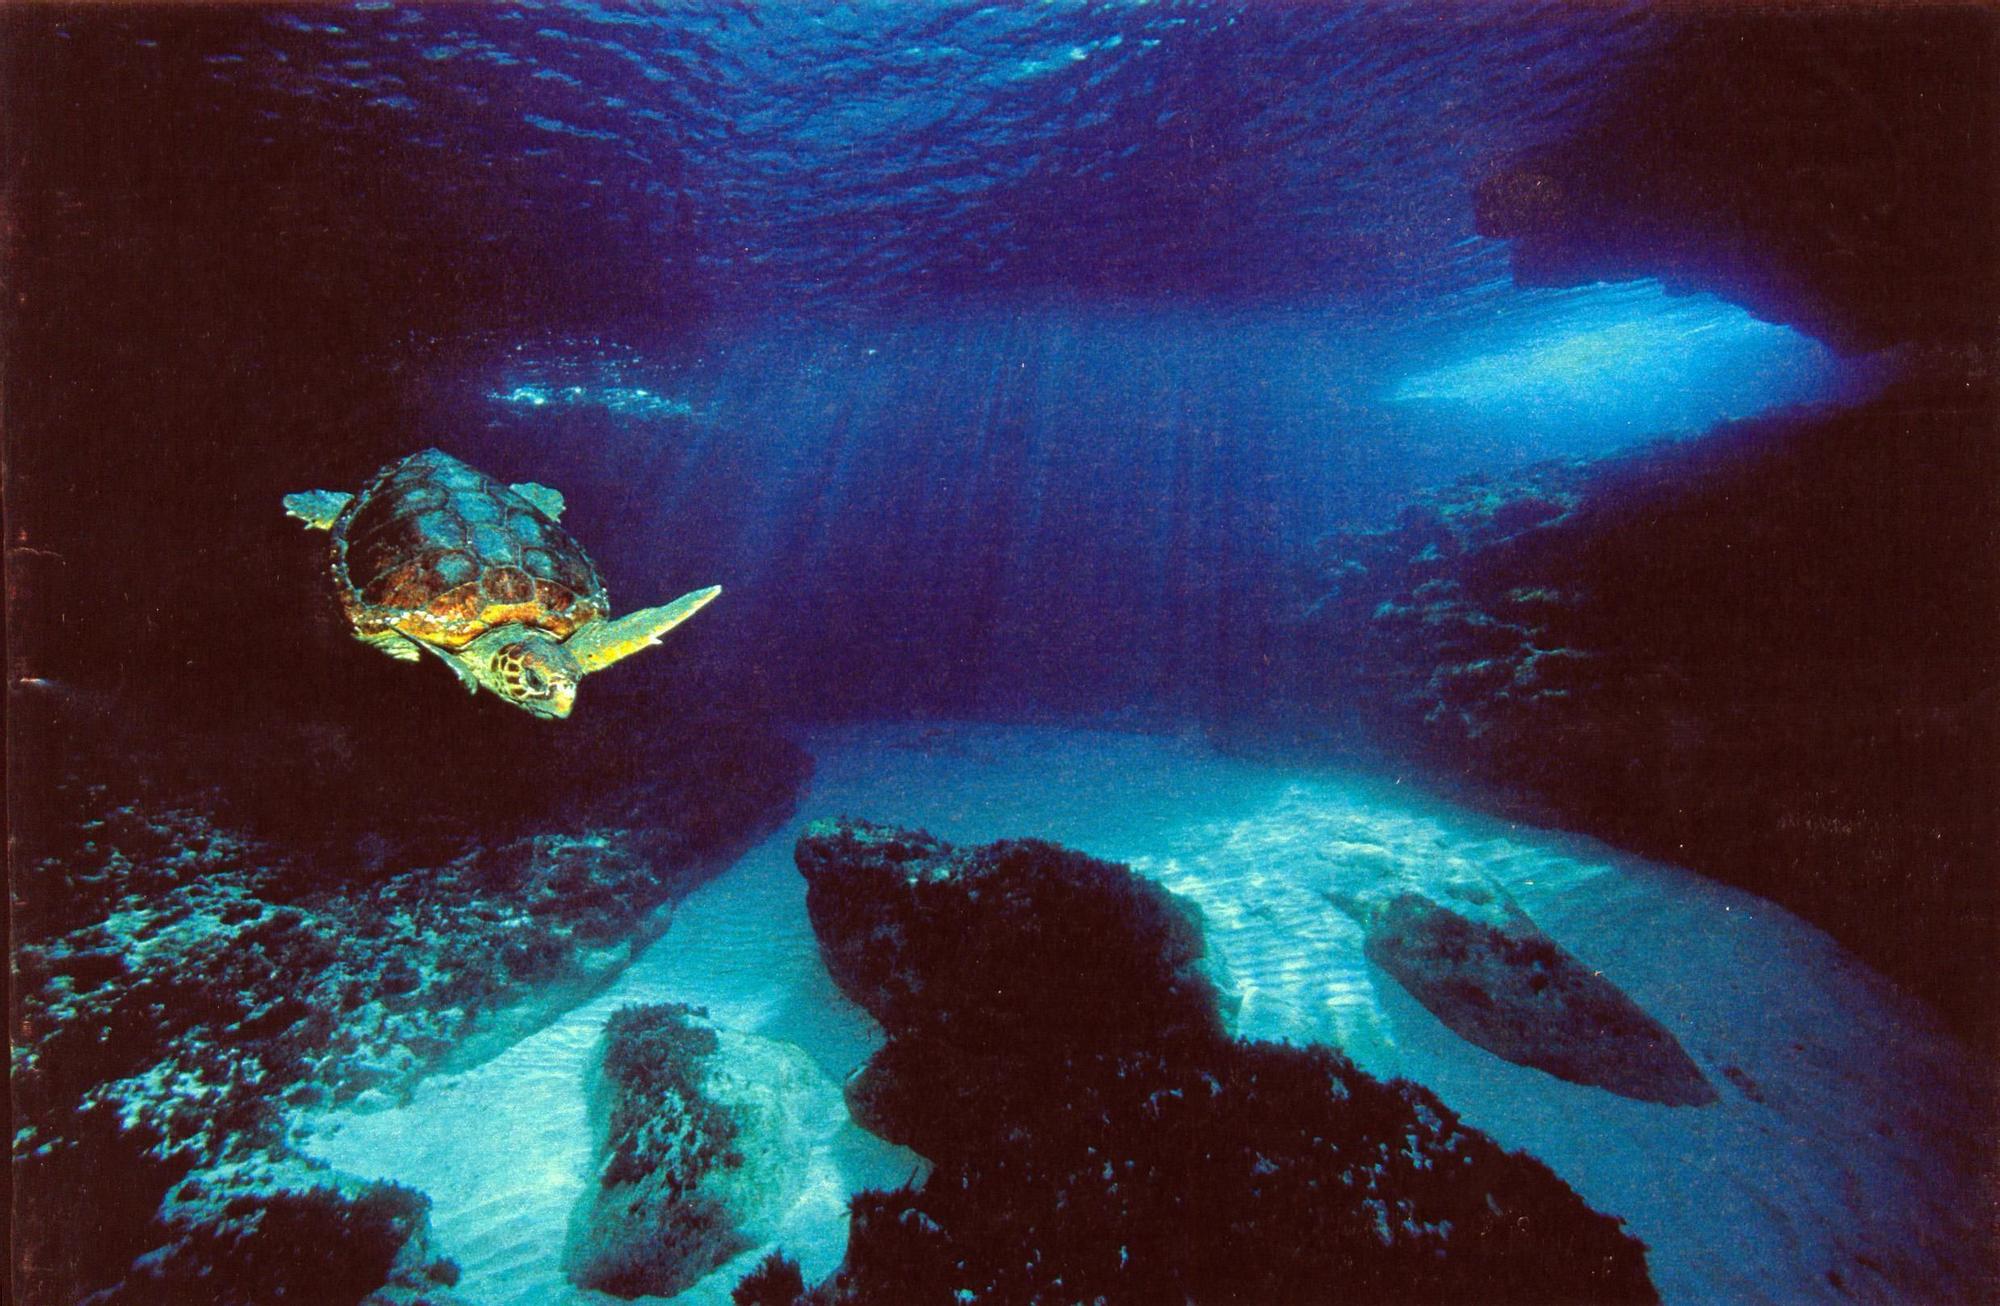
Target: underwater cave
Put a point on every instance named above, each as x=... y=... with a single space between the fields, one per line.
x=1393 y=600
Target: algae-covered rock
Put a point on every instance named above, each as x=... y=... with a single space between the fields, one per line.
x=254 y=1232
x=187 y=976
x=652 y=1227
x=990 y=946
x=1095 y=1136
x=705 y=1136
x=1514 y=991
x=777 y=1281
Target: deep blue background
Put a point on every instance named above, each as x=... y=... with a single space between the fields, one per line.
x=1010 y=354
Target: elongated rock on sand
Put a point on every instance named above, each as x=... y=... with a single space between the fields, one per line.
x=1516 y=992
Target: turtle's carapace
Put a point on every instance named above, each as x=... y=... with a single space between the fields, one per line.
x=435 y=556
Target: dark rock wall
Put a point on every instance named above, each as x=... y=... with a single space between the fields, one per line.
x=1768 y=654
x=1833 y=167
x=1055 y=1053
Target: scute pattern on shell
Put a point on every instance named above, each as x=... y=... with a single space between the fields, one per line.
x=442 y=553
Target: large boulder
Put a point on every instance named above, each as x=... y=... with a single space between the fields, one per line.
x=1055 y=1053
x=703 y=1135
x=258 y=1231
x=1015 y=942
x=1494 y=978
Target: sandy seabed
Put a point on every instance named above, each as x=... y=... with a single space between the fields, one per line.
x=1838 y=1166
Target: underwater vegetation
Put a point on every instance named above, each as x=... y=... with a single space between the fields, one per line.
x=651 y=1230
x=705 y=1135
x=245 y=1237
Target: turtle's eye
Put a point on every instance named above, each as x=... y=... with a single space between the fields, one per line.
x=537 y=684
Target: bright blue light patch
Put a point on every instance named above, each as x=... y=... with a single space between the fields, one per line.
x=629 y=401
x=1580 y=370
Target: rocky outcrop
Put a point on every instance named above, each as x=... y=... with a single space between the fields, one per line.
x=1054 y=1051
x=704 y=1135
x=1013 y=943
x=1503 y=984
x=655 y=1223
x=190 y=970
x=1766 y=654
x=258 y=1232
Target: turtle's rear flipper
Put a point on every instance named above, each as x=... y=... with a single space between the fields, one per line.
x=317 y=508
x=549 y=501
x=597 y=646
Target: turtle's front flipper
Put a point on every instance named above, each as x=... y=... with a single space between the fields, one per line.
x=597 y=646
x=317 y=508
x=394 y=644
x=465 y=676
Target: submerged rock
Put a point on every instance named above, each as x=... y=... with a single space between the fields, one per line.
x=654 y=1224
x=1765 y=654
x=1018 y=941
x=777 y=1281
x=1055 y=1053
x=244 y=1237
x=187 y=977
x=1515 y=992
x=703 y=1131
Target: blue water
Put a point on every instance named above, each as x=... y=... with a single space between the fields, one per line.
x=1018 y=350
x=1004 y=364
x=820 y=155
x=1069 y=505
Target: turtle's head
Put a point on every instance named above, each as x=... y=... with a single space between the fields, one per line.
x=534 y=673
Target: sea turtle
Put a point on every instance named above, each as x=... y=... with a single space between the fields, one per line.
x=433 y=555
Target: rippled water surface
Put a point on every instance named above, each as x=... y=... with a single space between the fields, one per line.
x=815 y=153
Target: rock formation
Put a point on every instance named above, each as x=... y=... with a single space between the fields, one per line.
x=1055 y=1053
x=1498 y=981
x=1831 y=167
x=703 y=1135
x=191 y=967
x=1766 y=653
